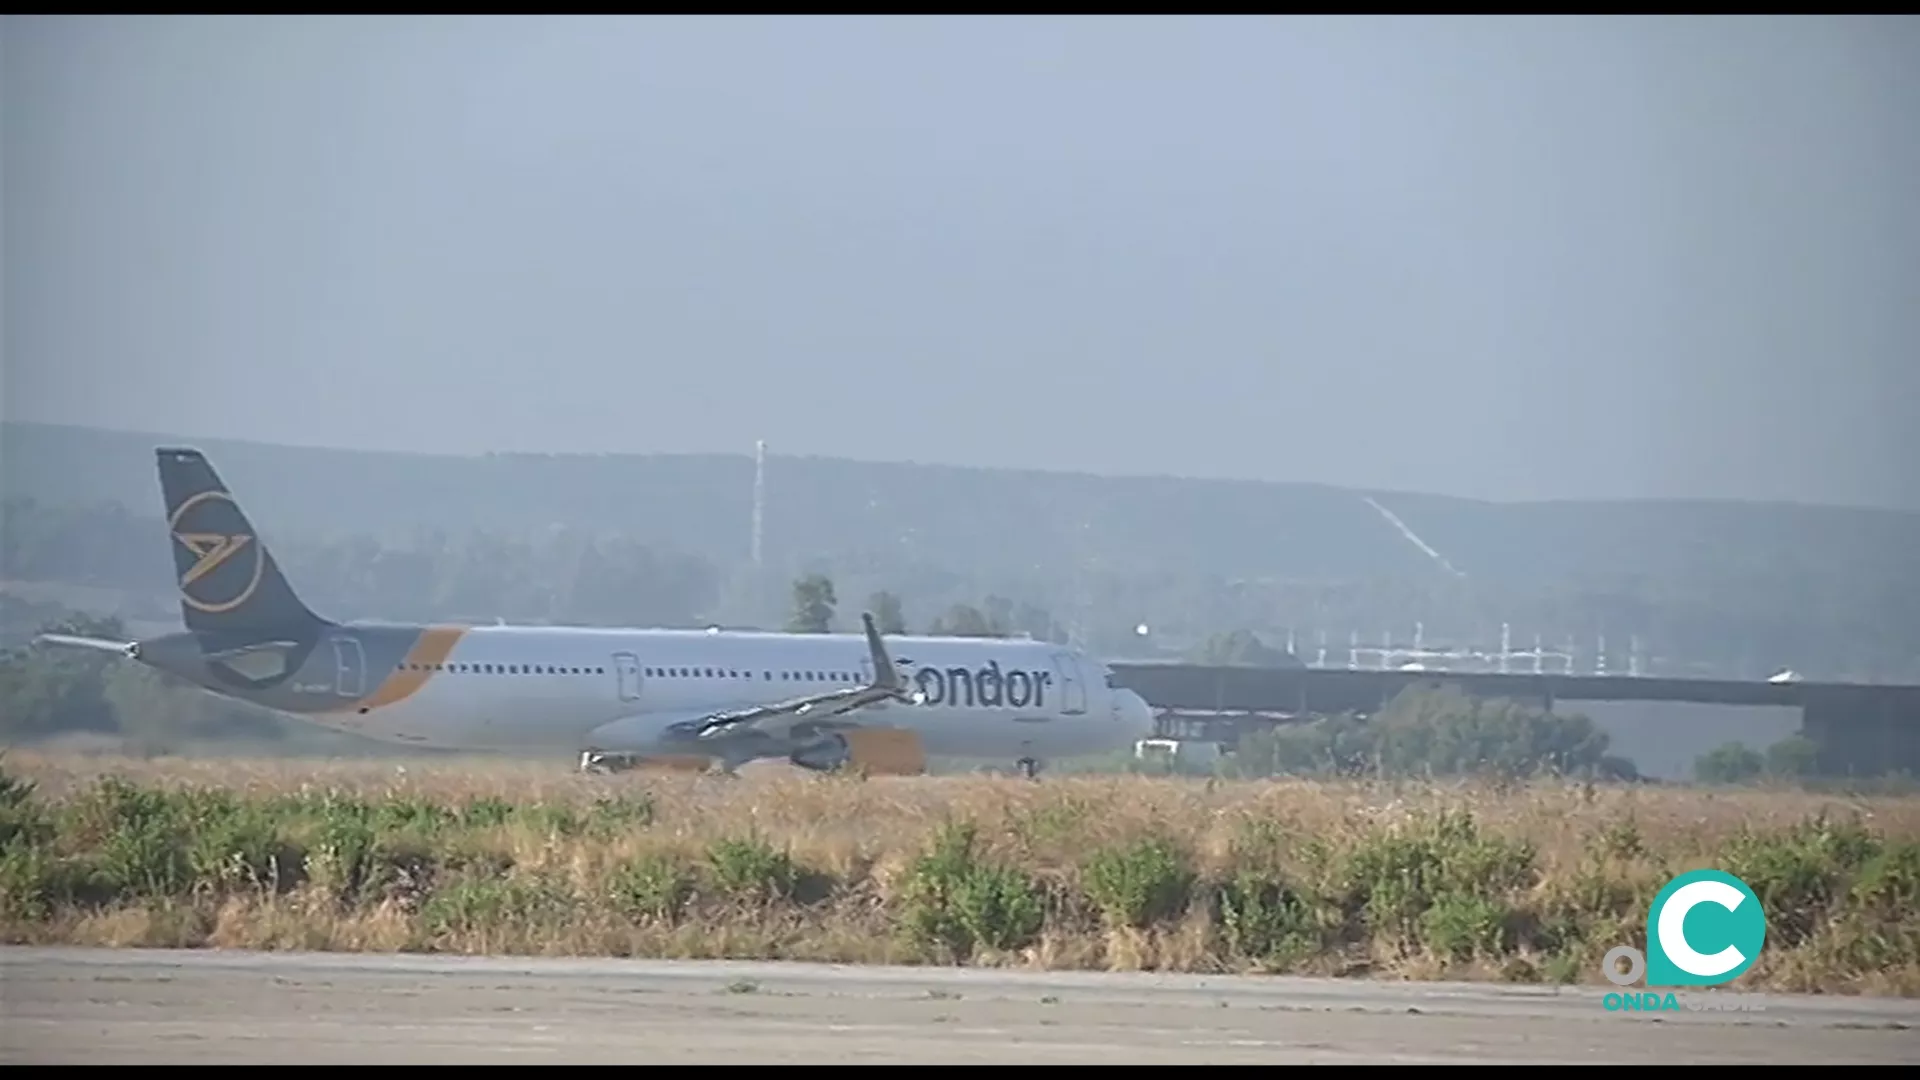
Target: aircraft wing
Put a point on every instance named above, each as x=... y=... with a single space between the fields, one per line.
x=781 y=718
x=71 y=641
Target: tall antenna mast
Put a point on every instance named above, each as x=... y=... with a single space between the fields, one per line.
x=759 y=497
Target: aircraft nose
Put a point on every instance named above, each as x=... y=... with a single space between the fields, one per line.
x=1132 y=710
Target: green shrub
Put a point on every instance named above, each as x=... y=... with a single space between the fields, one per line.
x=1139 y=883
x=956 y=901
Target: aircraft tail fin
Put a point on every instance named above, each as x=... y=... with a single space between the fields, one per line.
x=228 y=580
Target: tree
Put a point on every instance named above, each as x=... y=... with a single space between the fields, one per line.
x=1795 y=757
x=965 y=620
x=887 y=612
x=1243 y=648
x=1728 y=763
x=813 y=604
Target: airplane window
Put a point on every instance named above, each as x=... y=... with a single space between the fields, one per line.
x=599 y=671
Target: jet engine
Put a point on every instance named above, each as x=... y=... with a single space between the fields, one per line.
x=872 y=751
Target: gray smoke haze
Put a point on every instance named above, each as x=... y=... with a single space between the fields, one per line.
x=1516 y=258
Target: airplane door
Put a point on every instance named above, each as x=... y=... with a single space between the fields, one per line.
x=626 y=669
x=1073 y=692
x=349 y=667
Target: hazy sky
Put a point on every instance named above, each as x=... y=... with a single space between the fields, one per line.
x=1513 y=258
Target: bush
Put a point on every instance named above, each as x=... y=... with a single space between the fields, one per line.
x=956 y=901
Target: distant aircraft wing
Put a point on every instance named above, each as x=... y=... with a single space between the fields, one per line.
x=781 y=718
x=71 y=641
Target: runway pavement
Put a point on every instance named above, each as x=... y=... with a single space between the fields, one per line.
x=133 y=1007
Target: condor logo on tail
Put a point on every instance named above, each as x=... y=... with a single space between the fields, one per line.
x=227 y=566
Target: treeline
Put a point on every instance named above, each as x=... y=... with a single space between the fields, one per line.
x=1436 y=733
x=1859 y=628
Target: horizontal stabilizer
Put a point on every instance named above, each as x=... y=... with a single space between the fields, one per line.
x=70 y=641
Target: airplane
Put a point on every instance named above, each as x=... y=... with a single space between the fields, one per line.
x=619 y=698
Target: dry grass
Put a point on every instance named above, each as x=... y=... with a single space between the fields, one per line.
x=1521 y=883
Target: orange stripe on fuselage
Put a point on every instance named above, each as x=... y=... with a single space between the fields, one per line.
x=429 y=651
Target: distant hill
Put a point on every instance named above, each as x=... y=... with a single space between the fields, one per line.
x=1709 y=567
x=970 y=518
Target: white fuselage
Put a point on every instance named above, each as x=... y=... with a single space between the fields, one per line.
x=565 y=688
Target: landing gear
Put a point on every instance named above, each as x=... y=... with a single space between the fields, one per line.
x=1029 y=767
x=602 y=762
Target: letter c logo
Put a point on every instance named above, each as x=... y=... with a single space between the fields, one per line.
x=1673 y=928
x=1725 y=913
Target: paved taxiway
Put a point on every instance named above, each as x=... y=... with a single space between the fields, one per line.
x=131 y=1007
